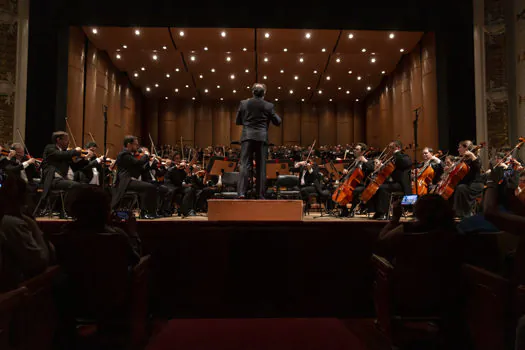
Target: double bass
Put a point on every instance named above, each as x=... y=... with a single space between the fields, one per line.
x=451 y=178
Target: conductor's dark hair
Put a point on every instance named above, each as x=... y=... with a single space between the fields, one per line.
x=129 y=139
x=58 y=135
x=258 y=90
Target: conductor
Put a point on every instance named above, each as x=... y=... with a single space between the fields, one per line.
x=255 y=115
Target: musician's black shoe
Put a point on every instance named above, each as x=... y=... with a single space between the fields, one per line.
x=351 y=214
x=242 y=196
x=379 y=216
x=344 y=212
x=148 y=217
x=191 y=213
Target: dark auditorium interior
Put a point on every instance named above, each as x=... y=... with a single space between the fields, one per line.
x=262 y=175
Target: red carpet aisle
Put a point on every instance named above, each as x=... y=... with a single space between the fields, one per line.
x=256 y=334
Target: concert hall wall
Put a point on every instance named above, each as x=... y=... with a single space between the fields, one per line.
x=105 y=85
x=390 y=109
x=213 y=123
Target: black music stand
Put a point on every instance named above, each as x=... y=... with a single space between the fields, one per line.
x=219 y=165
x=336 y=168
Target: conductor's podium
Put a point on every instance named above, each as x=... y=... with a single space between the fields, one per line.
x=254 y=210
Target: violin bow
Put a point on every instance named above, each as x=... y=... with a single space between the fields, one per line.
x=310 y=153
x=92 y=138
x=23 y=143
x=70 y=132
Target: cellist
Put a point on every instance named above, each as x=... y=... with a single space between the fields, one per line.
x=429 y=160
x=399 y=180
x=367 y=166
x=471 y=186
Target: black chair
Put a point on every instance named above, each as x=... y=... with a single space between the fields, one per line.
x=291 y=185
x=229 y=186
x=394 y=196
x=130 y=201
x=50 y=202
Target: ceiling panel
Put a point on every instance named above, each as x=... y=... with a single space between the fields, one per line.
x=197 y=39
x=296 y=40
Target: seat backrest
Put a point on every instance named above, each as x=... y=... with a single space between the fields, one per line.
x=10 y=304
x=488 y=297
x=383 y=294
x=230 y=179
x=288 y=181
x=139 y=303
x=39 y=311
x=97 y=269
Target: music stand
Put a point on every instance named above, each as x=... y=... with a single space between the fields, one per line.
x=219 y=165
x=276 y=167
x=338 y=166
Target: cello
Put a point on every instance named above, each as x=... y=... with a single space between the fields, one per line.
x=379 y=176
x=424 y=177
x=451 y=178
x=345 y=192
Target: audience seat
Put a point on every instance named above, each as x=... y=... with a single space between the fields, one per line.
x=10 y=305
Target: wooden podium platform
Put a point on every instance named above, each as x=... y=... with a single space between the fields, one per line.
x=254 y=210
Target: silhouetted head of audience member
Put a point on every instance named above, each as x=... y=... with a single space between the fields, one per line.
x=434 y=212
x=90 y=207
x=12 y=196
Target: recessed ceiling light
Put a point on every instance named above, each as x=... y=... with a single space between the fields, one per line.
x=359 y=78
x=330 y=100
x=338 y=60
x=148 y=89
x=164 y=47
x=323 y=50
x=308 y=88
x=223 y=34
x=266 y=59
x=167 y=75
x=373 y=60
x=193 y=98
x=218 y=86
x=267 y=35
x=118 y=50
x=327 y=77
x=401 y=50
x=339 y=88
x=124 y=46
x=244 y=49
x=176 y=90
x=137 y=32
x=156 y=85
x=234 y=91
x=349 y=72
x=166 y=97
x=363 y=50
x=369 y=88
x=142 y=68
x=356 y=100
x=350 y=36
x=201 y=76
x=177 y=69
x=296 y=77
x=276 y=99
x=118 y=56
x=285 y=49
x=301 y=60
x=94 y=30
x=391 y=36
x=155 y=57
x=372 y=53
x=212 y=70
x=192 y=58
x=247 y=87
x=205 y=48
x=246 y=70
x=302 y=100
x=278 y=88
x=136 y=75
x=348 y=92
x=320 y=92
x=315 y=72
x=181 y=33
x=383 y=72
x=265 y=77
x=282 y=71
x=222 y=99
x=291 y=91
x=205 y=91
x=228 y=58
x=187 y=86
x=308 y=35
x=232 y=76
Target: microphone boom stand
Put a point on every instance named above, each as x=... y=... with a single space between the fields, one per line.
x=105 y=112
x=415 y=146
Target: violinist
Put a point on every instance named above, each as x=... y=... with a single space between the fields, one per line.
x=130 y=170
x=399 y=180
x=309 y=182
x=471 y=186
x=367 y=166
x=22 y=166
x=89 y=168
x=3 y=157
x=154 y=170
x=178 y=179
x=57 y=164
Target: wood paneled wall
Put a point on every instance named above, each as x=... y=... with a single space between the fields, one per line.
x=104 y=85
x=207 y=123
x=412 y=85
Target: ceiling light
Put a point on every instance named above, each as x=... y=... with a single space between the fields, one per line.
x=205 y=91
x=315 y=72
x=338 y=60
x=372 y=53
x=373 y=60
x=136 y=75
x=137 y=32
x=266 y=59
x=201 y=76
x=391 y=36
x=349 y=72
x=142 y=68
x=296 y=77
x=244 y=49
x=302 y=100
x=267 y=35
x=181 y=33
x=234 y=91
x=359 y=78
x=308 y=88
x=320 y=92
x=193 y=98
x=118 y=50
x=285 y=49
x=323 y=50
x=265 y=77
x=218 y=86
x=278 y=88
x=228 y=58
x=232 y=76
x=166 y=97
x=308 y=36
x=187 y=86
x=350 y=36
x=212 y=70
x=124 y=46
x=348 y=92
x=383 y=72
x=356 y=100
x=94 y=30
x=155 y=57
x=222 y=99
x=330 y=100
x=301 y=60
x=327 y=77
x=192 y=58
x=282 y=71
x=176 y=90
x=339 y=88
x=246 y=70
x=205 y=48
x=363 y=50
x=177 y=69
x=118 y=57
x=276 y=99
x=156 y=85
x=148 y=89
x=223 y=34
x=164 y=47
x=369 y=88
x=401 y=50
x=291 y=91
x=247 y=87
x=167 y=75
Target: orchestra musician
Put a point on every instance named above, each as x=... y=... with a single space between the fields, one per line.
x=154 y=170
x=255 y=115
x=431 y=160
x=309 y=182
x=176 y=179
x=367 y=166
x=471 y=186
x=18 y=164
x=400 y=180
x=89 y=169
x=129 y=171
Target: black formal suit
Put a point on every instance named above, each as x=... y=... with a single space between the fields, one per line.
x=468 y=189
x=84 y=170
x=129 y=169
x=56 y=161
x=151 y=173
x=309 y=182
x=255 y=115
x=367 y=169
x=14 y=166
x=400 y=182
x=175 y=179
